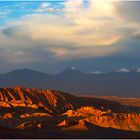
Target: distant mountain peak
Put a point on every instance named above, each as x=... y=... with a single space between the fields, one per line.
x=96 y=72
x=73 y=68
x=25 y=70
x=123 y=70
x=138 y=70
x=22 y=70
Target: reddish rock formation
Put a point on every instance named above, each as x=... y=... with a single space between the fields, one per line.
x=24 y=108
x=49 y=100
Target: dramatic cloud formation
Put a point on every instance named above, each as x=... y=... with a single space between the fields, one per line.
x=68 y=30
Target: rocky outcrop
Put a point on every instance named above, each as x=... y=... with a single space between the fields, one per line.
x=107 y=119
x=24 y=108
x=53 y=102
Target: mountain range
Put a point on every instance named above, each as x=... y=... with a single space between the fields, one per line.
x=121 y=82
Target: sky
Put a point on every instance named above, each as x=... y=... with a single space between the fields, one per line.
x=50 y=36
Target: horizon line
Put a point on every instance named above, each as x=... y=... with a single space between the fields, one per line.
x=76 y=69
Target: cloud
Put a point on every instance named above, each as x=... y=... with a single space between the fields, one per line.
x=82 y=31
x=128 y=12
x=3 y=13
x=47 y=7
x=43 y=7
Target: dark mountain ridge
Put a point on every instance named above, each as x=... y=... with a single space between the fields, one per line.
x=74 y=81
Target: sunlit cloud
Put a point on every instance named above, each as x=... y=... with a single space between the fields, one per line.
x=80 y=31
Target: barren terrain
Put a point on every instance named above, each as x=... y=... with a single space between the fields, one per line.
x=34 y=113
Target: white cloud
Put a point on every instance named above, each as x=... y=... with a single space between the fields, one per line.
x=3 y=13
x=82 y=32
x=46 y=7
x=43 y=7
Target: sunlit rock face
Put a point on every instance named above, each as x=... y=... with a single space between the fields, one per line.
x=33 y=109
x=123 y=121
x=51 y=101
